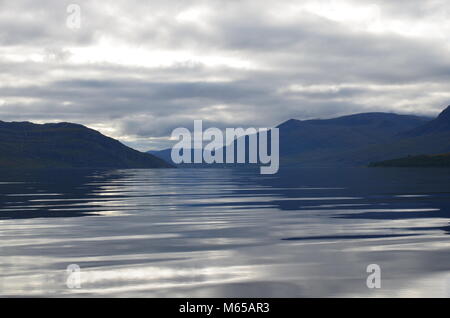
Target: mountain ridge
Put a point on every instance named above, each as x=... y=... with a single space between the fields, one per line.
x=432 y=137
x=439 y=124
x=66 y=145
x=321 y=140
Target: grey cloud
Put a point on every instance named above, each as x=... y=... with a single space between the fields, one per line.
x=354 y=70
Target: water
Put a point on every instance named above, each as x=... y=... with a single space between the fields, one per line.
x=225 y=232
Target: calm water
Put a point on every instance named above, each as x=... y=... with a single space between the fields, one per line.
x=225 y=232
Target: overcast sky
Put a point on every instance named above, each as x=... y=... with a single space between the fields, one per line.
x=135 y=70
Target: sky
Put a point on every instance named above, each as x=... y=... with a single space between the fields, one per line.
x=135 y=70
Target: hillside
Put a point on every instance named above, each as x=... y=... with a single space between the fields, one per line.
x=439 y=125
x=321 y=140
x=328 y=141
x=359 y=139
x=66 y=145
x=432 y=137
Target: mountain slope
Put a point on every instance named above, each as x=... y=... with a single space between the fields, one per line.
x=439 y=125
x=326 y=137
x=165 y=154
x=430 y=138
x=329 y=141
x=66 y=145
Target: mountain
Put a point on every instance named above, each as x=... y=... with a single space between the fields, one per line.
x=66 y=145
x=357 y=140
x=439 y=125
x=430 y=138
x=164 y=154
x=321 y=140
x=329 y=141
x=441 y=160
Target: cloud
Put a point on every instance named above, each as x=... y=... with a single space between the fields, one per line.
x=135 y=70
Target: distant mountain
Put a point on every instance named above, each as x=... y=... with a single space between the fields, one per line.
x=432 y=137
x=164 y=154
x=439 y=125
x=66 y=145
x=329 y=141
x=320 y=140
x=441 y=160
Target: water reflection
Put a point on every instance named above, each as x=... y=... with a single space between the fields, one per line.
x=225 y=232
